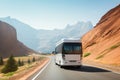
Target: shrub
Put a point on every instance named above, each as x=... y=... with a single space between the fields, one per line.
x=19 y=63
x=11 y=65
x=1 y=61
x=103 y=53
x=22 y=63
x=33 y=60
x=86 y=54
x=29 y=61
x=100 y=56
x=115 y=46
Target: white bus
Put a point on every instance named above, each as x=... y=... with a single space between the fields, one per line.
x=68 y=52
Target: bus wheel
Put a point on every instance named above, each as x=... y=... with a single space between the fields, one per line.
x=55 y=63
x=61 y=66
x=78 y=67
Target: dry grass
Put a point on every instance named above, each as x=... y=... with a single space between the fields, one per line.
x=22 y=68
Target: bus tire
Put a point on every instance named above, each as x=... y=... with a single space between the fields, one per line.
x=78 y=67
x=56 y=64
x=61 y=66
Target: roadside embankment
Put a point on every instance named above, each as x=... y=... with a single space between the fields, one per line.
x=110 y=67
x=28 y=72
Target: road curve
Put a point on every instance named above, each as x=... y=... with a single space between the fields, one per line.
x=54 y=72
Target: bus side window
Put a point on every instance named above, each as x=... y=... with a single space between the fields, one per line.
x=58 y=49
x=55 y=50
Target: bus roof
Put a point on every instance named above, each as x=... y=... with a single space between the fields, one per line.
x=71 y=40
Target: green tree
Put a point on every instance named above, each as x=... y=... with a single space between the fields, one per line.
x=22 y=63
x=33 y=60
x=10 y=66
x=1 y=61
x=29 y=61
x=19 y=63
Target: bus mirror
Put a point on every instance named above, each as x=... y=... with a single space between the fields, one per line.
x=53 y=52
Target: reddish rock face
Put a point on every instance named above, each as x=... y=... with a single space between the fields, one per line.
x=7 y=36
x=9 y=43
x=103 y=41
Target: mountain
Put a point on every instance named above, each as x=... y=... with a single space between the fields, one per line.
x=9 y=43
x=103 y=41
x=45 y=40
x=48 y=38
x=25 y=33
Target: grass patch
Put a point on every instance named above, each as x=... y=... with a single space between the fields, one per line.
x=7 y=78
x=9 y=74
x=86 y=54
x=103 y=53
x=115 y=46
x=100 y=56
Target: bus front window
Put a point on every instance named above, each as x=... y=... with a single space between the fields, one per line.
x=71 y=48
x=67 y=49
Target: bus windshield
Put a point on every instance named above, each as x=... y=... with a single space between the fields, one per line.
x=72 y=48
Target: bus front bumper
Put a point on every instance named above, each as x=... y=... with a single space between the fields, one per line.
x=71 y=63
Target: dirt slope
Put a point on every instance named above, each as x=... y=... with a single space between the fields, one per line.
x=103 y=41
x=9 y=43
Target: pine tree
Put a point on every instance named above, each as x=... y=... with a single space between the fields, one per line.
x=22 y=63
x=10 y=66
x=19 y=63
x=29 y=61
x=1 y=61
x=33 y=60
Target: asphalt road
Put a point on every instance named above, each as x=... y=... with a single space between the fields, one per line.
x=54 y=72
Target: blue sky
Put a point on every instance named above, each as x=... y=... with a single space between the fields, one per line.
x=51 y=14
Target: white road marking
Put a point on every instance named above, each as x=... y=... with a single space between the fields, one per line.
x=41 y=70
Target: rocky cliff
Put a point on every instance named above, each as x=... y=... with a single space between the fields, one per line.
x=9 y=43
x=103 y=41
x=39 y=40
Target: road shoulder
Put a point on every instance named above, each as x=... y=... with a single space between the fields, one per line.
x=27 y=73
x=115 y=69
